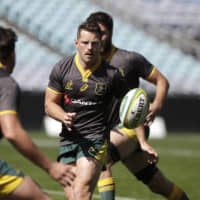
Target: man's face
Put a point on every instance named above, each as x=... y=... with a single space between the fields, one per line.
x=106 y=39
x=88 y=46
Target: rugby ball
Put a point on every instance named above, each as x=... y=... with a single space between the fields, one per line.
x=134 y=108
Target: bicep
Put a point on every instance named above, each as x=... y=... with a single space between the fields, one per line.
x=52 y=96
x=10 y=124
x=156 y=77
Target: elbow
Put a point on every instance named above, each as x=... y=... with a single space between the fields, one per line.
x=46 y=109
x=167 y=85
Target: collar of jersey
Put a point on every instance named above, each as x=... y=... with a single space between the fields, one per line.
x=112 y=52
x=86 y=74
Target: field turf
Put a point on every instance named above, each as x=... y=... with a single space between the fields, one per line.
x=179 y=161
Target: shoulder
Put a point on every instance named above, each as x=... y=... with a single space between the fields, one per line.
x=64 y=62
x=130 y=55
x=110 y=69
x=8 y=82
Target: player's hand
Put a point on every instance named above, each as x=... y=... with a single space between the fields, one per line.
x=152 y=154
x=69 y=119
x=62 y=173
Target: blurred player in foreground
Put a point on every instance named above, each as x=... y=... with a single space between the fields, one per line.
x=13 y=183
x=124 y=141
x=78 y=93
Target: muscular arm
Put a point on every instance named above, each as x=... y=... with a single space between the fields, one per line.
x=17 y=136
x=162 y=86
x=140 y=133
x=54 y=110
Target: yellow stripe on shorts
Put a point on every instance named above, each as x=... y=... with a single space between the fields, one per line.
x=102 y=154
x=8 y=184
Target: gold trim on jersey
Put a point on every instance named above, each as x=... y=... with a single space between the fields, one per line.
x=112 y=52
x=150 y=75
x=54 y=91
x=7 y=112
x=86 y=74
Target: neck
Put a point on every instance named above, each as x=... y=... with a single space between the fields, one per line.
x=107 y=52
x=87 y=65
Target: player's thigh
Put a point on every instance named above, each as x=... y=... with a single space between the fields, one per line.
x=29 y=190
x=87 y=172
x=124 y=140
x=136 y=161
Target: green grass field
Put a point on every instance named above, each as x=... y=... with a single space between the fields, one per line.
x=179 y=160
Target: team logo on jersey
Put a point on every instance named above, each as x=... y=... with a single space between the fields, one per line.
x=84 y=87
x=69 y=84
x=100 y=88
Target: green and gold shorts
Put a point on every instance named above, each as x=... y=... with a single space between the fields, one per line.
x=9 y=178
x=95 y=148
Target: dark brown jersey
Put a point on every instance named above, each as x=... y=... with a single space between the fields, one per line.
x=9 y=94
x=86 y=93
x=134 y=66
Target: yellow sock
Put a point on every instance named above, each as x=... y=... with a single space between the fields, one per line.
x=106 y=188
x=176 y=193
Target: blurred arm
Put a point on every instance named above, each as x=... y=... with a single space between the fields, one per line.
x=17 y=136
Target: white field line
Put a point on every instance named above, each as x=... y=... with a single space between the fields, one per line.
x=60 y=193
x=165 y=151
x=179 y=152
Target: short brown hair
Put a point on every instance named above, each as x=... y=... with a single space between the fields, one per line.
x=102 y=18
x=90 y=26
x=7 y=42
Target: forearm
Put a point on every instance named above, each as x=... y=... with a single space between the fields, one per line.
x=55 y=111
x=140 y=133
x=25 y=146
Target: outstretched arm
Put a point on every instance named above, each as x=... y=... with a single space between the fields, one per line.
x=162 y=86
x=153 y=155
x=17 y=136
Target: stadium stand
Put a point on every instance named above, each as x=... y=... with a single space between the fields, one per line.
x=32 y=58
x=174 y=21
x=57 y=29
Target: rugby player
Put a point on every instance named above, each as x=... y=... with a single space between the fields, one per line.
x=79 y=90
x=124 y=141
x=13 y=183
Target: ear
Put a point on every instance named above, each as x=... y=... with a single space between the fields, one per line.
x=76 y=43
